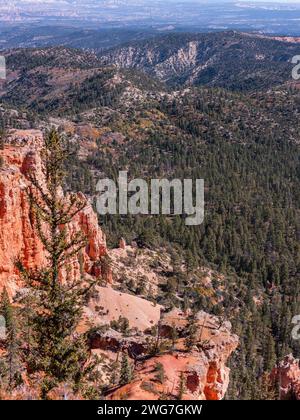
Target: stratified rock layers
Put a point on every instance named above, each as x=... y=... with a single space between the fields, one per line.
x=18 y=238
x=202 y=369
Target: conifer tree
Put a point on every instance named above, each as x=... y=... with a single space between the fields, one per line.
x=114 y=373
x=266 y=389
x=191 y=338
x=58 y=299
x=13 y=354
x=2 y=137
x=12 y=359
x=174 y=335
x=270 y=354
x=160 y=372
x=6 y=308
x=181 y=386
x=126 y=373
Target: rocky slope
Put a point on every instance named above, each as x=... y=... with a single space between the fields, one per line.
x=203 y=368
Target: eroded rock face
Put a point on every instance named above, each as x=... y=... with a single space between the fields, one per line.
x=202 y=369
x=113 y=341
x=18 y=238
x=287 y=377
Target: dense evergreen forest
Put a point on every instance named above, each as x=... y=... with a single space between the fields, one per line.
x=252 y=224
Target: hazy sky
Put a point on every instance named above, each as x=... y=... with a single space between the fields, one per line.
x=216 y=1
x=272 y=1
x=101 y=1
x=57 y=2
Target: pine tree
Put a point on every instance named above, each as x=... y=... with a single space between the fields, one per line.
x=2 y=137
x=174 y=335
x=160 y=372
x=126 y=373
x=191 y=338
x=6 y=308
x=13 y=355
x=270 y=354
x=26 y=314
x=114 y=373
x=57 y=305
x=181 y=386
x=12 y=359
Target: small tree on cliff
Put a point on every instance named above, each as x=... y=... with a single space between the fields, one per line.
x=160 y=373
x=126 y=372
x=191 y=337
x=12 y=359
x=2 y=137
x=6 y=308
x=181 y=386
x=58 y=299
x=174 y=335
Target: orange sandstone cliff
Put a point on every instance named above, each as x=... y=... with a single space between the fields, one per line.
x=18 y=238
x=286 y=376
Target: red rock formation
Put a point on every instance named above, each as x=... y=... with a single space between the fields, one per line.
x=287 y=376
x=205 y=375
x=18 y=238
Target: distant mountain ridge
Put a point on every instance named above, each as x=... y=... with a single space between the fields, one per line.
x=60 y=79
x=63 y=78
x=226 y=59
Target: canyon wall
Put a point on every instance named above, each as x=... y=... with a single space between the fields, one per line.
x=18 y=238
x=286 y=378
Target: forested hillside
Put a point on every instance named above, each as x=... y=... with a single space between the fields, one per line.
x=248 y=155
x=231 y=60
